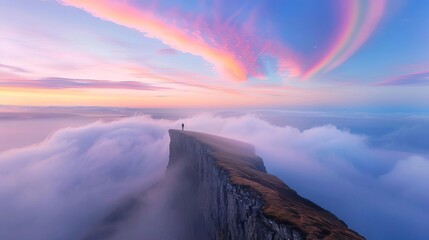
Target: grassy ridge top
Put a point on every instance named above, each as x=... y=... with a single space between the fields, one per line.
x=281 y=203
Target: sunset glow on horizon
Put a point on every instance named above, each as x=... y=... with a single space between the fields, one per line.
x=358 y=53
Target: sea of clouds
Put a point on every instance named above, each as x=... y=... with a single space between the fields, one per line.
x=62 y=187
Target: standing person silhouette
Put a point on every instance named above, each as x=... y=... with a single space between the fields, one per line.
x=183 y=126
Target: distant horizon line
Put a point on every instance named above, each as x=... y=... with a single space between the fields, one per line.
x=296 y=109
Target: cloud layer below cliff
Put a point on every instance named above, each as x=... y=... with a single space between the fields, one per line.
x=63 y=186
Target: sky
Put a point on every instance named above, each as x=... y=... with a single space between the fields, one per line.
x=331 y=54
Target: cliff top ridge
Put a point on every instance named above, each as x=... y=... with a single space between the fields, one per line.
x=281 y=203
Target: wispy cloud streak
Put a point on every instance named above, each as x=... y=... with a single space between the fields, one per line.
x=13 y=68
x=418 y=78
x=68 y=83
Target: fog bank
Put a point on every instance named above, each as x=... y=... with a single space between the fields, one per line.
x=67 y=184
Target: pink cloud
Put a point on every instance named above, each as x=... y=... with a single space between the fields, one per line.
x=68 y=83
x=13 y=68
x=234 y=43
x=416 y=78
x=130 y=16
x=167 y=51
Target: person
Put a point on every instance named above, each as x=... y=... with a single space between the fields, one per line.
x=183 y=126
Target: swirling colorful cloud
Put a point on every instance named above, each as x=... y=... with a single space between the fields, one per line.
x=238 y=38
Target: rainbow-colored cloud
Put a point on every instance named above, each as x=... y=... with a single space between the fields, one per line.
x=157 y=53
x=237 y=38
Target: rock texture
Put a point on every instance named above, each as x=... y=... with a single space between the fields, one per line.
x=237 y=199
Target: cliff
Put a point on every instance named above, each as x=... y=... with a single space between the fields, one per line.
x=238 y=199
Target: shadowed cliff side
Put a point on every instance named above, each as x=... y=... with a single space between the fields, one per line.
x=238 y=199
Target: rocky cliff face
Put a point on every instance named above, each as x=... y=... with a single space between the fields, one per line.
x=237 y=199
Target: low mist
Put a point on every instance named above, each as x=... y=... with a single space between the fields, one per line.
x=67 y=186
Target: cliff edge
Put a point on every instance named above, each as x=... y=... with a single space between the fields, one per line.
x=238 y=199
